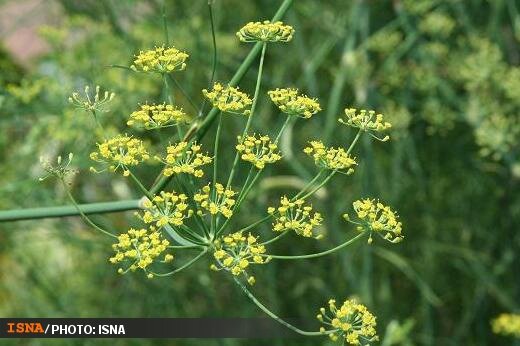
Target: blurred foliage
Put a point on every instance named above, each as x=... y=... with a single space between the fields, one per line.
x=445 y=73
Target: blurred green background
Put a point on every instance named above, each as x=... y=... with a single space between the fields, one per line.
x=445 y=73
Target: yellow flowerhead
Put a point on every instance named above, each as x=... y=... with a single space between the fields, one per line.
x=236 y=251
x=295 y=216
x=184 y=157
x=221 y=201
x=375 y=217
x=228 y=99
x=351 y=322
x=259 y=150
x=507 y=324
x=157 y=116
x=335 y=159
x=161 y=59
x=367 y=121
x=120 y=152
x=167 y=208
x=140 y=248
x=265 y=32
x=291 y=103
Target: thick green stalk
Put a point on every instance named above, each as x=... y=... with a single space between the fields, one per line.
x=273 y=316
x=319 y=254
x=69 y=210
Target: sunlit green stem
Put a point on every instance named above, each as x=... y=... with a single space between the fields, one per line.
x=193 y=234
x=286 y=122
x=215 y=60
x=309 y=184
x=185 y=247
x=253 y=108
x=323 y=253
x=215 y=171
x=170 y=99
x=189 y=263
x=141 y=186
x=98 y=123
x=253 y=225
x=272 y=315
x=85 y=217
x=278 y=237
x=185 y=188
x=319 y=186
x=165 y=23
x=240 y=199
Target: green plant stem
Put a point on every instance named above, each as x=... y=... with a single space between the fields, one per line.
x=278 y=237
x=85 y=217
x=287 y=120
x=309 y=184
x=215 y=60
x=239 y=202
x=186 y=265
x=319 y=254
x=185 y=247
x=141 y=186
x=170 y=99
x=165 y=22
x=215 y=171
x=195 y=236
x=98 y=123
x=319 y=186
x=256 y=223
x=250 y=118
x=69 y=210
x=273 y=316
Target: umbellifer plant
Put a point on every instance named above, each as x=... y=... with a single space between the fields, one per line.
x=197 y=216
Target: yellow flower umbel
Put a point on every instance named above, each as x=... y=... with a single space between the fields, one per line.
x=235 y=252
x=184 y=158
x=292 y=104
x=352 y=322
x=376 y=217
x=228 y=99
x=295 y=216
x=259 y=150
x=156 y=116
x=166 y=208
x=335 y=159
x=221 y=201
x=161 y=60
x=140 y=248
x=367 y=121
x=266 y=32
x=507 y=324
x=120 y=152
